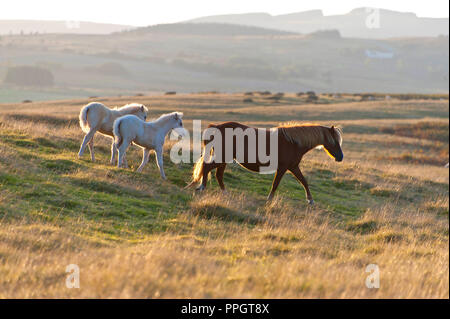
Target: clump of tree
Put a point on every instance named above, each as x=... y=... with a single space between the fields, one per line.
x=367 y=97
x=29 y=76
x=311 y=97
x=276 y=97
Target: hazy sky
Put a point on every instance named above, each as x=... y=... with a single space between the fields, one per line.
x=140 y=13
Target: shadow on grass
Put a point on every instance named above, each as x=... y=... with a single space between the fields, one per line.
x=218 y=211
x=105 y=187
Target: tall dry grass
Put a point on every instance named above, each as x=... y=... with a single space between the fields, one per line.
x=232 y=244
x=279 y=252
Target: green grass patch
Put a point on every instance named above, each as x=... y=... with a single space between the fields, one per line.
x=60 y=165
x=9 y=179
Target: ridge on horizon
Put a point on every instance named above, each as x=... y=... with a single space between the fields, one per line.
x=351 y=24
x=317 y=11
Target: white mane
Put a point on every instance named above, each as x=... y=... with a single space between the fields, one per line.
x=168 y=116
x=131 y=106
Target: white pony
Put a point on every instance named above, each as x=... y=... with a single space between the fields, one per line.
x=148 y=135
x=96 y=117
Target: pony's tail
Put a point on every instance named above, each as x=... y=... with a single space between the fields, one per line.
x=83 y=119
x=197 y=172
x=116 y=132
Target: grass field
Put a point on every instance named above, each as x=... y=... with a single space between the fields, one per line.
x=135 y=235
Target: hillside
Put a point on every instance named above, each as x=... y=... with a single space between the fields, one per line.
x=135 y=235
x=392 y=24
x=207 y=29
x=222 y=58
x=10 y=27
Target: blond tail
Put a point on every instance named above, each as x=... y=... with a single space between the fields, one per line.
x=116 y=132
x=197 y=173
x=83 y=119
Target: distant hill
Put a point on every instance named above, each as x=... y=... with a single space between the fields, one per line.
x=209 y=29
x=225 y=58
x=392 y=24
x=72 y=27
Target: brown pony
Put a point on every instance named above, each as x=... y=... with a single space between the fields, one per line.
x=294 y=140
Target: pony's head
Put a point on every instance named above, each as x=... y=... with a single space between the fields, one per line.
x=141 y=112
x=310 y=136
x=174 y=121
x=333 y=142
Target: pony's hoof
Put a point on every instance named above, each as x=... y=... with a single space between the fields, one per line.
x=311 y=202
x=200 y=188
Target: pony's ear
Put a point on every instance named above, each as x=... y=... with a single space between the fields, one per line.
x=142 y=108
x=332 y=129
x=178 y=115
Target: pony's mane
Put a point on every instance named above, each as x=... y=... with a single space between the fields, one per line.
x=339 y=134
x=168 y=116
x=133 y=107
x=307 y=134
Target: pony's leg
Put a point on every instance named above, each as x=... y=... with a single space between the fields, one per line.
x=86 y=140
x=276 y=181
x=159 y=161
x=91 y=149
x=113 y=153
x=298 y=174
x=219 y=175
x=122 y=150
x=145 y=158
x=207 y=167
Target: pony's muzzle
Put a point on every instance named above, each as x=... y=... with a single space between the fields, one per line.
x=339 y=159
x=181 y=131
